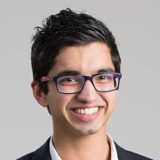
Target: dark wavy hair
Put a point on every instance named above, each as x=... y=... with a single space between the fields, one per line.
x=67 y=28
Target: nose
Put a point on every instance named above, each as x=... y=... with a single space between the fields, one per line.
x=88 y=93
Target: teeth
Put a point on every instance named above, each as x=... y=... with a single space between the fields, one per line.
x=86 y=111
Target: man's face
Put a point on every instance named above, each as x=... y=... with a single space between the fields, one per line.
x=85 y=112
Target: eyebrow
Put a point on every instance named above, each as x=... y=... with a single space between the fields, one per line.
x=106 y=70
x=66 y=72
x=74 y=72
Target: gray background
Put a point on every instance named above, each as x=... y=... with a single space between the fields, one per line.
x=24 y=125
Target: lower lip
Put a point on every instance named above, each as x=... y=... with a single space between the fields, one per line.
x=86 y=118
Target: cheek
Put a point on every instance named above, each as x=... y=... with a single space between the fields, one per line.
x=58 y=107
x=59 y=102
x=110 y=98
x=63 y=100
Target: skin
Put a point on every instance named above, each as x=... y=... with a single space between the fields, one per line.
x=75 y=137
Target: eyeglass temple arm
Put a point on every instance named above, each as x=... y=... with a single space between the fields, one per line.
x=44 y=79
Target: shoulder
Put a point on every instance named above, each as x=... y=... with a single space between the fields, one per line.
x=125 y=154
x=27 y=157
x=41 y=153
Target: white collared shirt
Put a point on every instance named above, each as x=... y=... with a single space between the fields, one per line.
x=55 y=156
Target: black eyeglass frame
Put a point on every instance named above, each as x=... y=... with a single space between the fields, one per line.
x=84 y=79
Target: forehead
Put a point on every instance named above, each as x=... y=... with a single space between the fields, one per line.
x=86 y=59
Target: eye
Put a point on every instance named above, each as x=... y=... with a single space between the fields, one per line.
x=104 y=78
x=68 y=80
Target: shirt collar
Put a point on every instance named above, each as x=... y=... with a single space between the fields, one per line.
x=114 y=155
x=53 y=152
x=55 y=156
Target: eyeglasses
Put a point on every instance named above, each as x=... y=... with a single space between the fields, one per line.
x=71 y=84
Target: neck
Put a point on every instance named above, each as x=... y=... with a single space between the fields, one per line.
x=94 y=146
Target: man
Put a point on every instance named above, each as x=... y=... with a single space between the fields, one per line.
x=76 y=71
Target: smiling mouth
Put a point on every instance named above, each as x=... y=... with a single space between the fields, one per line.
x=86 y=111
x=86 y=114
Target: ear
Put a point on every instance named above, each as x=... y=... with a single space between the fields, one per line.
x=39 y=95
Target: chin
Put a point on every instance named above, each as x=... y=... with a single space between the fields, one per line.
x=87 y=130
